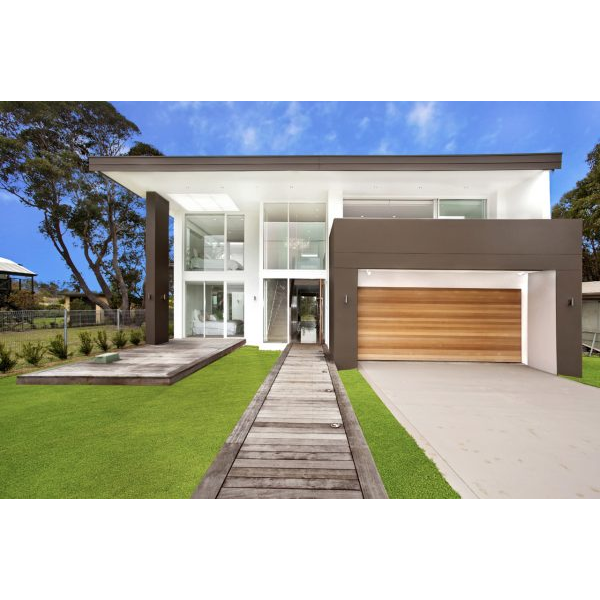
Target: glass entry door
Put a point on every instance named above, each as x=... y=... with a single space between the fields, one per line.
x=306 y=311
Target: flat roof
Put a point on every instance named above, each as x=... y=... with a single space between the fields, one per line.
x=441 y=162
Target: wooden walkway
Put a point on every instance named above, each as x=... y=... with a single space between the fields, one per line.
x=299 y=438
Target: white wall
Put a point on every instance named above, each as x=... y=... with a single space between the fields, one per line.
x=529 y=199
x=178 y=279
x=542 y=321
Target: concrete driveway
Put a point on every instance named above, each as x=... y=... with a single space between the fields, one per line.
x=497 y=430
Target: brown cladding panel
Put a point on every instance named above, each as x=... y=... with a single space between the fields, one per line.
x=537 y=237
x=442 y=324
x=157 y=269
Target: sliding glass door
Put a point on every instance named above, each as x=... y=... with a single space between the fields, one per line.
x=214 y=309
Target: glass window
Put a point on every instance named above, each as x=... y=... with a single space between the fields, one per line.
x=275 y=322
x=389 y=209
x=194 y=309
x=275 y=234
x=235 y=310
x=307 y=236
x=205 y=243
x=235 y=242
x=461 y=209
x=213 y=310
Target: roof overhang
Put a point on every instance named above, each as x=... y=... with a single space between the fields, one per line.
x=454 y=162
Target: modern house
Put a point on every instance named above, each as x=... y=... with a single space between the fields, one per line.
x=445 y=258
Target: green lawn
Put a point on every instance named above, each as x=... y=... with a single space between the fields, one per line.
x=591 y=371
x=405 y=469
x=122 y=441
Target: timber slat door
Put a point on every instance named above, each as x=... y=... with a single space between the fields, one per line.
x=439 y=324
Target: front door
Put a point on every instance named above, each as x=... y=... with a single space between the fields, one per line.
x=306 y=311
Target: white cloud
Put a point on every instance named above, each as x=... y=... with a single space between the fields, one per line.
x=249 y=137
x=293 y=124
x=423 y=116
x=384 y=147
x=450 y=146
x=392 y=111
x=331 y=136
x=364 y=123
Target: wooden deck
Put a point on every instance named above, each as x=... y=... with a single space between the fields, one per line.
x=299 y=438
x=146 y=365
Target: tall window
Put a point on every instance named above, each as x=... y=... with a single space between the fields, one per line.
x=307 y=236
x=275 y=235
x=214 y=242
x=294 y=236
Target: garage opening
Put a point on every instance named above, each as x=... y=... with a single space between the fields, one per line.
x=439 y=324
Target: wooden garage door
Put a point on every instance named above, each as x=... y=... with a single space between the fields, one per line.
x=439 y=324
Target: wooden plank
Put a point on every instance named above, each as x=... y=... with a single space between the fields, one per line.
x=316 y=427
x=280 y=455
x=257 y=493
x=295 y=464
x=295 y=448
x=309 y=428
x=291 y=419
x=368 y=475
x=295 y=442
x=308 y=473
x=296 y=483
x=296 y=436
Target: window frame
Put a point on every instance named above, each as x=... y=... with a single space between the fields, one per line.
x=225 y=216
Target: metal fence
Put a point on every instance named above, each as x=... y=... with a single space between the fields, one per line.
x=22 y=326
x=591 y=341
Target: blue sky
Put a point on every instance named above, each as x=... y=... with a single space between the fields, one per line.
x=184 y=128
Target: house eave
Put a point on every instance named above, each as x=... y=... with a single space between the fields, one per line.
x=454 y=162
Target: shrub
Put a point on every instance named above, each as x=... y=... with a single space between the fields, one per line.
x=102 y=341
x=143 y=330
x=32 y=353
x=58 y=348
x=86 y=344
x=119 y=339
x=135 y=336
x=7 y=362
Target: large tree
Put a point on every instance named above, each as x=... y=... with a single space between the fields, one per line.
x=44 y=152
x=583 y=202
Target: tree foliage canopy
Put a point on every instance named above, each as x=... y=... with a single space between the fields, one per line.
x=583 y=202
x=44 y=152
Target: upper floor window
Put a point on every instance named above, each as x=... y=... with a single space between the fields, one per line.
x=415 y=209
x=214 y=242
x=294 y=236
x=461 y=209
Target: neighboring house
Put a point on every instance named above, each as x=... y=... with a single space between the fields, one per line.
x=380 y=257
x=14 y=277
x=590 y=312
x=78 y=301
